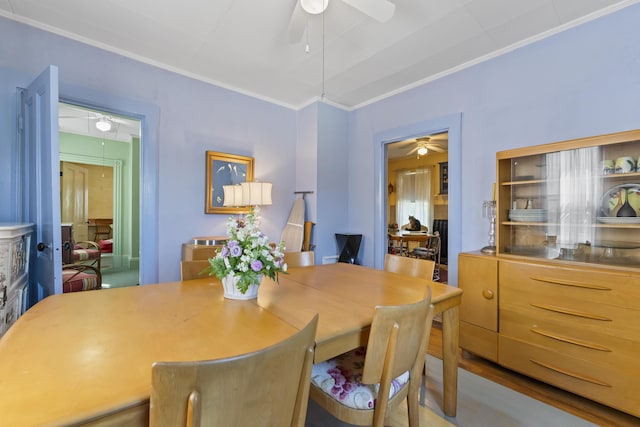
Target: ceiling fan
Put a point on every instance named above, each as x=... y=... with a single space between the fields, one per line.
x=420 y=146
x=380 y=10
x=102 y=122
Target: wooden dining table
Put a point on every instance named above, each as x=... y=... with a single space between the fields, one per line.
x=402 y=239
x=85 y=358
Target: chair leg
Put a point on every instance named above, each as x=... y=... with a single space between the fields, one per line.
x=413 y=404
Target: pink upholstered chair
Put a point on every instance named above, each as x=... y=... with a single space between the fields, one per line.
x=80 y=277
x=82 y=252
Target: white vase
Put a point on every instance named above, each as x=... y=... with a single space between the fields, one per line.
x=231 y=291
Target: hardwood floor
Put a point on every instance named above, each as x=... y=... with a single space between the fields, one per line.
x=568 y=402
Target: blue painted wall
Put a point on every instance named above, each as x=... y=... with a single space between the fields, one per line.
x=584 y=81
x=184 y=118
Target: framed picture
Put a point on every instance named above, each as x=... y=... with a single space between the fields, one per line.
x=225 y=169
x=444 y=178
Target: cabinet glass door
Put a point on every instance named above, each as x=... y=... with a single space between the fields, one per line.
x=577 y=204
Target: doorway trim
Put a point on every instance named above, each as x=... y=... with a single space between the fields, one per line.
x=149 y=116
x=451 y=124
x=117 y=165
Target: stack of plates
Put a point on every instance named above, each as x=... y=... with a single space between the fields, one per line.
x=528 y=215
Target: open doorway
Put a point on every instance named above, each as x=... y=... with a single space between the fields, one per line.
x=417 y=184
x=100 y=165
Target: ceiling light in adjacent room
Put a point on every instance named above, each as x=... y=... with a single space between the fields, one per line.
x=314 y=7
x=422 y=151
x=103 y=124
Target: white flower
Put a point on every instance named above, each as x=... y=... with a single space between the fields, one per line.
x=256 y=256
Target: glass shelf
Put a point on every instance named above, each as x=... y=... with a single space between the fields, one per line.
x=555 y=200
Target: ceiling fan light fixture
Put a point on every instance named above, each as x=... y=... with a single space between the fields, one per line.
x=422 y=151
x=314 y=7
x=103 y=125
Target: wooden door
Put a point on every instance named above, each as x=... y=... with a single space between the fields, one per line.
x=75 y=199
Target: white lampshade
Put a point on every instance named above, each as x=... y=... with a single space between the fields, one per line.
x=104 y=125
x=314 y=7
x=256 y=193
x=232 y=195
x=422 y=151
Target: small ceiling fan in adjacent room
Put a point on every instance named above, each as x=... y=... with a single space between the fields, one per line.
x=78 y=120
x=380 y=10
x=420 y=146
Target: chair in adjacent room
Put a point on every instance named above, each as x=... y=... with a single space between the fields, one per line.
x=190 y=270
x=80 y=277
x=269 y=387
x=102 y=229
x=81 y=252
x=362 y=386
x=431 y=252
x=299 y=259
x=413 y=267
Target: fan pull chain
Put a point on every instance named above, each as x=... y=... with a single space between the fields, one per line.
x=306 y=48
x=323 y=14
x=103 y=159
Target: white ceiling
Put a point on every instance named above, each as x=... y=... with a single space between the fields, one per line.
x=82 y=121
x=243 y=44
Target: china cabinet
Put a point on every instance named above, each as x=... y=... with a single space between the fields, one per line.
x=566 y=288
x=15 y=241
x=565 y=201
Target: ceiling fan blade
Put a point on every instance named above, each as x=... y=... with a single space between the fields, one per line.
x=380 y=10
x=436 y=148
x=297 y=24
x=413 y=150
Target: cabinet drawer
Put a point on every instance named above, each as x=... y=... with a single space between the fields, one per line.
x=10 y=312
x=478 y=277
x=617 y=289
x=479 y=341
x=561 y=314
x=594 y=340
x=608 y=384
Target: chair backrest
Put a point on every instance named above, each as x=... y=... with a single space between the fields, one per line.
x=398 y=341
x=299 y=259
x=190 y=270
x=407 y=266
x=433 y=245
x=269 y=387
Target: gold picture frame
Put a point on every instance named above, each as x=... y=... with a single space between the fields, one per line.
x=225 y=169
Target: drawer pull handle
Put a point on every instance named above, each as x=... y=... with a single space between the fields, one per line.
x=570 y=374
x=487 y=293
x=571 y=312
x=554 y=281
x=569 y=340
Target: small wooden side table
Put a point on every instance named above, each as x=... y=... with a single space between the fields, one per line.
x=202 y=248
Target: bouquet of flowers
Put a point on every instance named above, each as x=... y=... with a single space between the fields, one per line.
x=247 y=253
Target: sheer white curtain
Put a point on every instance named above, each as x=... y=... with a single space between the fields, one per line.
x=573 y=194
x=413 y=196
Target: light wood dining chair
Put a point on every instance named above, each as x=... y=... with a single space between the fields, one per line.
x=406 y=266
x=190 y=270
x=299 y=259
x=414 y=267
x=362 y=386
x=266 y=388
